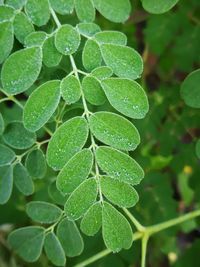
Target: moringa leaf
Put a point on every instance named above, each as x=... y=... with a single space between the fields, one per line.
x=51 y=56
x=91 y=55
x=35 y=39
x=124 y=61
x=102 y=72
x=43 y=212
x=119 y=165
x=85 y=10
x=88 y=29
x=158 y=7
x=28 y=242
x=6 y=183
x=114 y=130
x=2 y=124
x=75 y=171
x=6 y=39
x=62 y=7
x=28 y=63
x=111 y=37
x=127 y=97
x=6 y=155
x=81 y=199
x=17 y=4
x=6 y=13
x=38 y=110
x=68 y=139
x=56 y=195
x=70 y=89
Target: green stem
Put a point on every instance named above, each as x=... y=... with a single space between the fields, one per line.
x=58 y=24
x=144 y=249
x=4 y=99
x=137 y=224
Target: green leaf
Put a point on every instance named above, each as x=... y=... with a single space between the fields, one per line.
x=111 y=37
x=91 y=56
x=43 y=212
x=54 y=250
x=22 y=180
x=118 y=193
x=114 y=130
x=190 y=90
x=116 y=11
x=158 y=7
x=92 y=220
x=2 y=126
x=22 y=27
x=85 y=10
x=102 y=73
x=38 y=110
x=6 y=155
x=93 y=91
x=6 y=13
x=117 y=232
x=62 y=7
x=35 y=39
x=67 y=39
x=51 y=56
x=28 y=63
x=36 y=164
x=6 y=39
x=28 y=242
x=88 y=29
x=70 y=89
x=38 y=11
x=198 y=148
x=75 y=171
x=127 y=96
x=70 y=238
x=6 y=183
x=81 y=199
x=124 y=61
x=16 y=136
x=119 y=165
x=68 y=139
x=17 y=4
x=56 y=195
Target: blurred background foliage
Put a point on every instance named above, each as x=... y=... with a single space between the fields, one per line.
x=170 y=45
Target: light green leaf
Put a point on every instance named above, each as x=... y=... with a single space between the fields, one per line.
x=91 y=56
x=93 y=91
x=88 y=29
x=51 y=56
x=54 y=250
x=36 y=164
x=102 y=72
x=67 y=39
x=158 y=7
x=198 y=148
x=114 y=130
x=38 y=110
x=75 y=171
x=119 y=165
x=117 y=232
x=62 y=6
x=6 y=39
x=38 y=11
x=190 y=89
x=6 y=183
x=114 y=10
x=6 y=155
x=70 y=238
x=111 y=37
x=70 y=89
x=35 y=39
x=17 y=4
x=28 y=63
x=118 y=193
x=43 y=212
x=2 y=126
x=85 y=10
x=6 y=13
x=81 y=199
x=92 y=220
x=124 y=61
x=127 y=96
x=27 y=242
x=22 y=180
x=22 y=27
x=68 y=139
x=57 y=197
x=16 y=136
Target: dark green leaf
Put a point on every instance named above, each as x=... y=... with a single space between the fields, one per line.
x=6 y=155
x=1 y=124
x=198 y=148
x=158 y=7
x=6 y=183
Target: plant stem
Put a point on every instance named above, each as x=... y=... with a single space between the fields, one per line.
x=144 y=249
x=137 y=224
x=58 y=24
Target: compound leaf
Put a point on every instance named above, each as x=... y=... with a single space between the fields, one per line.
x=43 y=212
x=28 y=242
x=6 y=183
x=75 y=171
x=38 y=110
x=70 y=89
x=91 y=56
x=119 y=165
x=158 y=7
x=68 y=139
x=28 y=63
x=6 y=155
x=6 y=39
x=114 y=130
x=85 y=10
x=81 y=199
